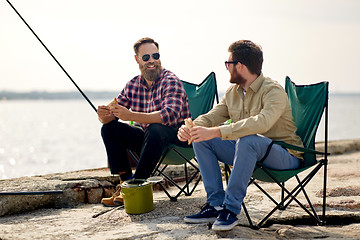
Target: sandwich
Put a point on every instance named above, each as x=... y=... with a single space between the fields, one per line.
x=189 y=124
x=112 y=104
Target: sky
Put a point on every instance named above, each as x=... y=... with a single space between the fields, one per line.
x=307 y=40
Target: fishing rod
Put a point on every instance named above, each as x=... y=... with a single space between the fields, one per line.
x=78 y=88
x=51 y=192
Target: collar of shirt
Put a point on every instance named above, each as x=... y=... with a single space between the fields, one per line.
x=255 y=86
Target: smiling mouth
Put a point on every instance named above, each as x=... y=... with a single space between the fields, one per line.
x=150 y=66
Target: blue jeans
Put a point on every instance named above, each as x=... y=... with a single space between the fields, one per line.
x=242 y=154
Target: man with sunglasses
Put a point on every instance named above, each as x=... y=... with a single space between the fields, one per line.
x=157 y=102
x=260 y=112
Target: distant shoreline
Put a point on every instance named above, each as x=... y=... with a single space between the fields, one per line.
x=64 y=95
x=41 y=95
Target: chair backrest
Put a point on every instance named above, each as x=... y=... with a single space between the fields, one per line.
x=201 y=97
x=307 y=104
x=201 y=100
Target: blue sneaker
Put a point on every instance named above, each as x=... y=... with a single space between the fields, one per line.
x=208 y=214
x=226 y=221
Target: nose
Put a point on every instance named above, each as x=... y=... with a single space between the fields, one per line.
x=151 y=59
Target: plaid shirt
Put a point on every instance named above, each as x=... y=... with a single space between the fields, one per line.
x=166 y=95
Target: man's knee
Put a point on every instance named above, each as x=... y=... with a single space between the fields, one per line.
x=106 y=129
x=248 y=139
x=208 y=143
x=255 y=142
x=113 y=127
x=155 y=127
x=155 y=131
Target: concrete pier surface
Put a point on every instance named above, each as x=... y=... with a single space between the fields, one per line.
x=76 y=213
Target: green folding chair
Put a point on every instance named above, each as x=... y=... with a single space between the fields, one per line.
x=201 y=100
x=308 y=103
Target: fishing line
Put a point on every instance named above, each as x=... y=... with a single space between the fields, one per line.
x=78 y=88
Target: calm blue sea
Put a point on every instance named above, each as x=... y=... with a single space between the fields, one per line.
x=49 y=136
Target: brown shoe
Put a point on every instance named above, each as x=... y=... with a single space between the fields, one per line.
x=110 y=202
x=119 y=200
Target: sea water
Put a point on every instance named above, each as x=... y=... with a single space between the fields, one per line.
x=50 y=136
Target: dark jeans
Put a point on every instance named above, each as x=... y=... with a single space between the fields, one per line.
x=150 y=143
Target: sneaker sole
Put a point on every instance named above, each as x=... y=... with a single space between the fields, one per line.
x=199 y=220
x=113 y=205
x=224 y=227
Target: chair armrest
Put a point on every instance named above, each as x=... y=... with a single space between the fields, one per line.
x=297 y=148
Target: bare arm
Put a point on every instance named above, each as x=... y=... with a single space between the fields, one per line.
x=126 y=115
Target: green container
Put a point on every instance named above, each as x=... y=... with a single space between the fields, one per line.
x=138 y=196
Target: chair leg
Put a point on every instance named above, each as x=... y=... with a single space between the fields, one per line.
x=227 y=172
x=134 y=156
x=263 y=191
x=182 y=189
x=307 y=198
x=248 y=217
x=323 y=220
x=281 y=205
x=187 y=191
x=158 y=171
x=293 y=195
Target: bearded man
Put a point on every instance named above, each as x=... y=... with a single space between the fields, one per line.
x=260 y=112
x=157 y=103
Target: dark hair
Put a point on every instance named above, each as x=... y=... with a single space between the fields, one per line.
x=142 y=41
x=249 y=54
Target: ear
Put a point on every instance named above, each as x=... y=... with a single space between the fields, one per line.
x=136 y=58
x=240 y=66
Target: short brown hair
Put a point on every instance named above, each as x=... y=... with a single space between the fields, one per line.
x=142 y=41
x=249 y=54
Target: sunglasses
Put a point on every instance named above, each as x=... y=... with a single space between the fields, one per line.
x=228 y=63
x=146 y=57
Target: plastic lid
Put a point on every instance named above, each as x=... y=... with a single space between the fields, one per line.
x=154 y=179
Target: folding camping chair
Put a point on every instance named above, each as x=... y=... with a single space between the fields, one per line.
x=308 y=102
x=201 y=99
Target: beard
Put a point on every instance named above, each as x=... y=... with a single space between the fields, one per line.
x=151 y=74
x=236 y=78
